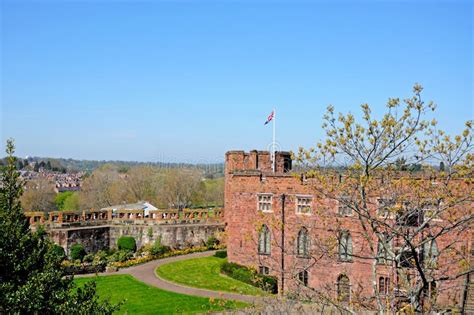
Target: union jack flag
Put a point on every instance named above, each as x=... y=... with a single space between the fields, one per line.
x=270 y=117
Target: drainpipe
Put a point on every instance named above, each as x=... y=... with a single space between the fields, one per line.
x=283 y=197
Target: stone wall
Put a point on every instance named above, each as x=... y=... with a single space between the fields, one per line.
x=92 y=238
x=176 y=236
x=102 y=237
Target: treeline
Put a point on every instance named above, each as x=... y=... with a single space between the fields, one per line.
x=112 y=185
x=211 y=170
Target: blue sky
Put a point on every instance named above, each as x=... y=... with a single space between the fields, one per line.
x=186 y=81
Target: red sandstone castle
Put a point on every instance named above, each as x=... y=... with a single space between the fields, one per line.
x=274 y=225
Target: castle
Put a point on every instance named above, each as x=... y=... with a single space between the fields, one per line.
x=274 y=224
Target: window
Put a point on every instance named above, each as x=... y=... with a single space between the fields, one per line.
x=303 y=205
x=303 y=243
x=384 y=285
x=264 y=241
x=407 y=260
x=431 y=253
x=263 y=270
x=265 y=202
x=345 y=246
x=343 y=289
x=345 y=207
x=383 y=249
x=303 y=277
x=385 y=207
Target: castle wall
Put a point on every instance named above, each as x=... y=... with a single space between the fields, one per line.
x=243 y=184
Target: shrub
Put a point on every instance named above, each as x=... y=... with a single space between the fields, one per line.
x=127 y=243
x=88 y=258
x=158 y=249
x=250 y=276
x=212 y=242
x=58 y=251
x=221 y=254
x=100 y=257
x=77 y=252
x=120 y=256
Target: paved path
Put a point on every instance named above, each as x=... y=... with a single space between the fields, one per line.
x=146 y=274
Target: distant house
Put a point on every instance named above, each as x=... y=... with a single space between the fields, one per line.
x=141 y=205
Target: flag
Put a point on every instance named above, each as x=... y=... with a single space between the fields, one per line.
x=270 y=117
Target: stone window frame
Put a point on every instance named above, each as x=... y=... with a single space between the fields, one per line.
x=264 y=241
x=265 y=202
x=345 y=249
x=343 y=285
x=383 y=285
x=383 y=257
x=341 y=206
x=299 y=206
x=303 y=277
x=302 y=243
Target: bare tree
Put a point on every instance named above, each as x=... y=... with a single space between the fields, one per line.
x=179 y=185
x=39 y=195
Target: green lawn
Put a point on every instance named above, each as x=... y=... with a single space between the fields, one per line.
x=204 y=273
x=141 y=298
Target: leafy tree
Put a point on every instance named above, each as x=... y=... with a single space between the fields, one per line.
x=411 y=222
x=31 y=278
x=61 y=198
x=72 y=202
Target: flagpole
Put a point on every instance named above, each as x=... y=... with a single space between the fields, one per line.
x=273 y=144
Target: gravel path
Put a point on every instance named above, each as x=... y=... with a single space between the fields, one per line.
x=146 y=274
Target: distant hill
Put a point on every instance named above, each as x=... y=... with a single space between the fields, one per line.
x=71 y=165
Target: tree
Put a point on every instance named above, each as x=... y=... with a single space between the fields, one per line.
x=103 y=188
x=179 y=185
x=39 y=195
x=31 y=278
x=423 y=213
x=60 y=199
x=72 y=202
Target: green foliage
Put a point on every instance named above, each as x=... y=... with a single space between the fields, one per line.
x=88 y=258
x=120 y=256
x=61 y=198
x=250 y=276
x=58 y=250
x=221 y=254
x=158 y=249
x=127 y=243
x=32 y=278
x=212 y=242
x=77 y=252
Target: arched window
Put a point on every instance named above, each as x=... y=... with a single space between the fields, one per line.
x=303 y=277
x=343 y=289
x=303 y=243
x=384 y=285
x=431 y=253
x=383 y=247
x=345 y=246
x=264 y=241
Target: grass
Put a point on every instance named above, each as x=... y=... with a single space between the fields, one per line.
x=204 y=273
x=141 y=298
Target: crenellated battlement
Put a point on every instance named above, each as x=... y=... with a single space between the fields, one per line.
x=257 y=161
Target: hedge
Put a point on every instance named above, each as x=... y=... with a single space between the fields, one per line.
x=250 y=276
x=77 y=252
x=221 y=254
x=127 y=243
